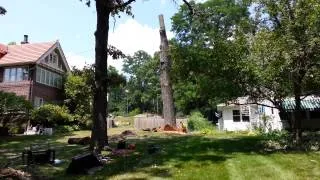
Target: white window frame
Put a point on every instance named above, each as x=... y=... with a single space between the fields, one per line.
x=8 y=74
x=242 y=113
x=48 y=78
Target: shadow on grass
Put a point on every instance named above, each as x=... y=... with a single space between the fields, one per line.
x=176 y=152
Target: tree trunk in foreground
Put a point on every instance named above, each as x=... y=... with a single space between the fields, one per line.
x=297 y=112
x=99 y=129
x=165 y=67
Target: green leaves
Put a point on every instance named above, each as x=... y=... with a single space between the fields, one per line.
x=143 y=82
x=11 y=104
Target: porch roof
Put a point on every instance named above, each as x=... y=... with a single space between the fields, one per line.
x=306 y=104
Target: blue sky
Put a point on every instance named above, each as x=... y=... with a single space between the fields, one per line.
x=73 y=24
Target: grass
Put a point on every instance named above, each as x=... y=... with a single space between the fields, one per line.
x=214 y=156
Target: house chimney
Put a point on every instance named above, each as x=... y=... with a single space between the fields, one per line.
x=25 y=40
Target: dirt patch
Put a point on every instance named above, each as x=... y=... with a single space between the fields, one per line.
x=81 y=141
x=128 y=133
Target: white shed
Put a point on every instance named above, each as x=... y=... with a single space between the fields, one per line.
x=245 y=116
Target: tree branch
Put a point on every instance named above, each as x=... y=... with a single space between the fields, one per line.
x=260 y=104
x=123 y=5
x=2 y=10
x=189 y=6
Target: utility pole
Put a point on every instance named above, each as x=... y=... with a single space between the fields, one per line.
x=165 y=67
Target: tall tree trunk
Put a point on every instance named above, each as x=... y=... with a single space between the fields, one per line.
x=99 y=129
x=165 y=67
x=297 y=111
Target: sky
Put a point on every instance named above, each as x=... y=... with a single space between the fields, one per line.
x=73 y=24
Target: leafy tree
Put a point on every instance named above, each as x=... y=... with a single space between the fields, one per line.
x=143 y=85
x=79 y=87
x=291 y=29
x=12 y=105
x=104 y=9
x=210 y=52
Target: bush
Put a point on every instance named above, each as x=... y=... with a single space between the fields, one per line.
x=13 y=112
x=51 y=115
x=134 y=112
x=196 y=122
x=276 y=135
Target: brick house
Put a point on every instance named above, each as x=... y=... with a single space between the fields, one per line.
x=34 y=71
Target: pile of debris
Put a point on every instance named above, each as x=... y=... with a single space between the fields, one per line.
x=90 y=162
x=10 y=173
x=80 y=141
x=169 y=129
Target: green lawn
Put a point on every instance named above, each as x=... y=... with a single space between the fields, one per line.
x=218 y=156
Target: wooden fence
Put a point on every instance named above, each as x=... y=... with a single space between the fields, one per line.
x=144 y=122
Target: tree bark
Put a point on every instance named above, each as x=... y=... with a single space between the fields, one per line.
x=165 y=67
x=99 y=129
x=297 y=111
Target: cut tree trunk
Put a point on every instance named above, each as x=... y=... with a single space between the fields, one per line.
x=165 y=67
x=99 y=129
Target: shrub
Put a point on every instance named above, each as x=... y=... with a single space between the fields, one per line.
x=134 y=112
x=13 y=111
x=196 y=122
x=51 y=115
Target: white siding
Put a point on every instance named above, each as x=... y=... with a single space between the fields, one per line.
x=228 y=123
x=256 y=118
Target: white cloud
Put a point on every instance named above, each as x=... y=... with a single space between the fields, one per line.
x=132 y=36
x=77 y=60
x=128 y=37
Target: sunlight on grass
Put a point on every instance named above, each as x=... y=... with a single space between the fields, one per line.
x=218 y=155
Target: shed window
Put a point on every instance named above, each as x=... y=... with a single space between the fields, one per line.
x=245 y=115
x=242 y=115
x=236 y=115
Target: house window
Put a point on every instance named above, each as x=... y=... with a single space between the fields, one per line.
x=38 y=102
x=15 y=74
x=7 y=75
x=59 y=64
x=52 y=59
x=49 y=78
x=236 y=115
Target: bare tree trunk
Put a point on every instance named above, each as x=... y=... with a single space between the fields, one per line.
x=297 y=112
x=99 y=129
x=165 y=67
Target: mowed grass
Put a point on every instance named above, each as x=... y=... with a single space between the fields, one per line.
x=216 y=156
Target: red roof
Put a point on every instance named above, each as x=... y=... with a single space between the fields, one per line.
x=25 y=53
